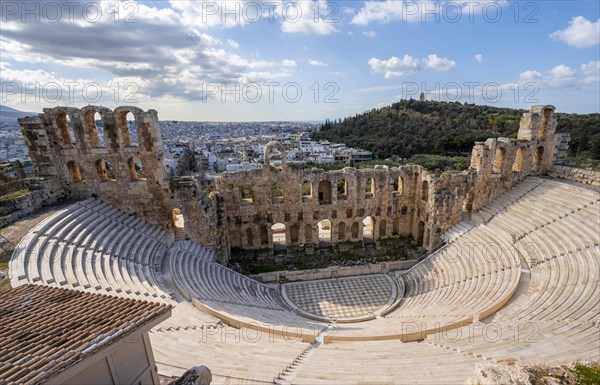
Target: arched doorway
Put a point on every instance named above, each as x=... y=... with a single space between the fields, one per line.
x=279 y=240
x=368 y=226
x=324 y=232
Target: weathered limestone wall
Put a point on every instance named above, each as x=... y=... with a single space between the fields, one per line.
x=120 y=163
x=405 y=200
x=581 y=175
x=44 y=193
x=82 y=158
x=334 y=272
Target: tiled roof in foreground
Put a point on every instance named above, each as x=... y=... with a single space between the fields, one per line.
x=44 y=330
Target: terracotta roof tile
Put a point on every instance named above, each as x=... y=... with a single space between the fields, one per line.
x=44 y=330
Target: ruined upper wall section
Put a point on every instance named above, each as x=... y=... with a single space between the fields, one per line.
x=537 y=124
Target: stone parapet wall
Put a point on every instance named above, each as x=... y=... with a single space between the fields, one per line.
x=581 y=175
x=333 y=272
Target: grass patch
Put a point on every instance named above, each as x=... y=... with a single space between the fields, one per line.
x=16 y=194
x=5 y=285
x=4 y=265
x=587 y=375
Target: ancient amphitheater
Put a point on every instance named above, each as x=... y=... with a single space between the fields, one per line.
x=513 y=275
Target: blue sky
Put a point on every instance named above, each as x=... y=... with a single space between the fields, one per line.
x=290 y=60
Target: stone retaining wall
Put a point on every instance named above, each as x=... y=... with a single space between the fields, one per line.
x=581 y=175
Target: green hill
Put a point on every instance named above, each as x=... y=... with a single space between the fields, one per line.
x=412 y=127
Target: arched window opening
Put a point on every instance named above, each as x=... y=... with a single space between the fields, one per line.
x=294 y=234
x=399 y=186
x=104 y=170
x=468 y=206
x=519 y=160
x=342 y=189
x=354 y=230
x=537 y=159
x=370 y=188
x=246 y=193
x=249 y=237
x=368 y=223
x=498 y=160
x=128 y=127
x=324 y=192
x=65 y=129
x=425 y=190
x=277 y=192
x=94 y=129
x=279 y=241
x=74 y=171
x=396 y=227
x=264 y=236
x=306 y=191
x=341 y=232
x=544 y=125
x=324 y=232
x=382 y=228
x=420 y=233
x=136 y=169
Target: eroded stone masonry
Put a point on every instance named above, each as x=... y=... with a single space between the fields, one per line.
x=275 y=207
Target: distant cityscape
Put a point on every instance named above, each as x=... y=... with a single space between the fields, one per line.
x=217 y=146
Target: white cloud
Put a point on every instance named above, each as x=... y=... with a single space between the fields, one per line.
x=437 y=63
x=413 y=11
x=316 y=63
x=580 y=33
x=370 y=34
x=348 y=10
x=591 y=72
x=308 y=17
x=530 y=75
x=478 y=58
x=562 y=71
x=288 y=63
x=233 y=43
x=394 y=67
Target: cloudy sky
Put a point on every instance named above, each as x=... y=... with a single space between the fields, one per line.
x=297 y=60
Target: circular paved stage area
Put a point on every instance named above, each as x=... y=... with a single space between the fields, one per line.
x=342 y=299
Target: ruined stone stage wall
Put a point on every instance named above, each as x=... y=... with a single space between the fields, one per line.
x=405 y=200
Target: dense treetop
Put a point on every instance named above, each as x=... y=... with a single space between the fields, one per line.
x=412 y=127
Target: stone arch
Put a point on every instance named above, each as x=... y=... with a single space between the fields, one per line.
x=127 y=127
x=519 y=162
x=177 y=219
x=66 y=130
x=264 y=236
x=499 y=160
x=246 y=193
x=74 y=171
x=420 y=232
x=382 y=228
x=136 y=168
x=341 y=232
x=104 y=170
x=99 y=135
x=278 y=231
x=324 y=192
x=324 y=227
x=307 y=193
x=468 y=203
x=342 y=189
x=400 y=186
x=249 y=237
x=370 y=188
x=425 y=190
x=546 y=116
x=276 y=192
x=294 y=234
x=354 y=230
x=267 y=154
x=396 y=226
x=537 y=159
x=368 y=227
